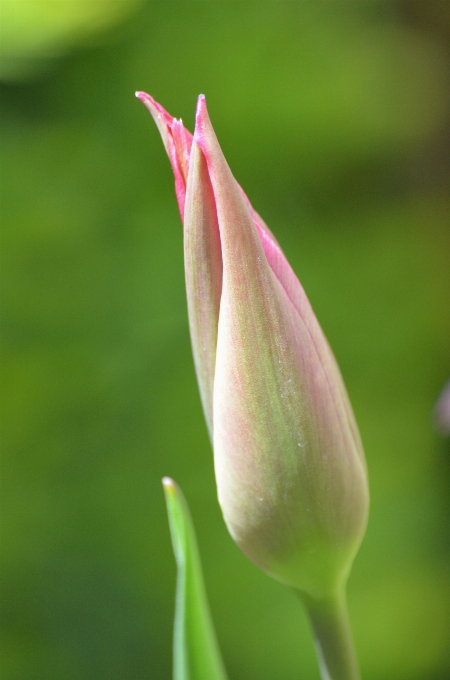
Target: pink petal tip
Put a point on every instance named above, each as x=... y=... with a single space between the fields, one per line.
x=201 y=116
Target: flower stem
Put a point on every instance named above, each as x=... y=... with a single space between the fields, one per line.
x=332 y=637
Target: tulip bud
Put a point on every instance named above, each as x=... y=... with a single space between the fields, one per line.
x=290 y=469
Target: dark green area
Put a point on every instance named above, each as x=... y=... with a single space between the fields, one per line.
x=335 y=118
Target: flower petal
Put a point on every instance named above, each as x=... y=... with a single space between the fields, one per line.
x=203 y=267
x=177 y=142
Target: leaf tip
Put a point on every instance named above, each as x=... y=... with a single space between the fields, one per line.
x=168 y=484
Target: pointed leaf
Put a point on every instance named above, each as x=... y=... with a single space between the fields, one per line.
x=196 y=651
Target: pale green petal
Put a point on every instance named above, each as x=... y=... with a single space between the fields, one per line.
x=203 y=266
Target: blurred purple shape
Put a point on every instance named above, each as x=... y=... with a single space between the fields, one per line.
x=442 y=410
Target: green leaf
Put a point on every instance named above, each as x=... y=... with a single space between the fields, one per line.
x=195 y=649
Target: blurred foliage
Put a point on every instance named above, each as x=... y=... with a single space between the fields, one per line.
x=34 y=31
x=335 y=118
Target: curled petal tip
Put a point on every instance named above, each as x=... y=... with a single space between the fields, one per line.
x=177 y=142
x=157 y=111
x=148 y=100
x=144 y=96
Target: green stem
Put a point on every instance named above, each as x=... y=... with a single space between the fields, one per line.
x=332 y=637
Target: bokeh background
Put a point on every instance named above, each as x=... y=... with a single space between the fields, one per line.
x=335 y=118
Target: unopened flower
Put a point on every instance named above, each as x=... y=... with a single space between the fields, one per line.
x=289 y=463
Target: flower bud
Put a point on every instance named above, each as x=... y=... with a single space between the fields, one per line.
x=290 y=468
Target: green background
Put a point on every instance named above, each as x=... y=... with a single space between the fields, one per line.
x=335 y=118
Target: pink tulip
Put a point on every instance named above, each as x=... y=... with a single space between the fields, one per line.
x=289 y=463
